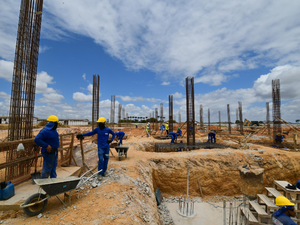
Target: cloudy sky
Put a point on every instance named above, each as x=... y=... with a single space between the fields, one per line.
x=144 y=50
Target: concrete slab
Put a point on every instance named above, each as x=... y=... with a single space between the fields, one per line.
x=26 y=189
x=206 y=214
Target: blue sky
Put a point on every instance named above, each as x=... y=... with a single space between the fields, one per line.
x=144 y=50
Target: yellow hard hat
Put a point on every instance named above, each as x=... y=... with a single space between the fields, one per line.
x=101 y=120
x=53 y=118
x=283 y=201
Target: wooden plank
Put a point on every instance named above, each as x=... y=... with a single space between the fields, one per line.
x=246 y=212
x=266 y=201
x=273 y=192
x=260 y=211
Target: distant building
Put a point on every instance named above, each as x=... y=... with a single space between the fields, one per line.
x=69 y=121
x=4 y=119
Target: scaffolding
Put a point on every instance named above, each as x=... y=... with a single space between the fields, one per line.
x=241 y=117
x=229 y=122
x=276 y=107
x=268 y=117
x=201 y=116
x=190 y=111
x=170 y=113
x=25 y=70
x=161 y=113
x=95 y=107
x=112 y=110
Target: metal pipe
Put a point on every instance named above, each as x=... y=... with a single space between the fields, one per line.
x=224 y=212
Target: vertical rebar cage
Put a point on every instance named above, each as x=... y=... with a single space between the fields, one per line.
x=276 y=107
x=161 y=113
x=268 y=116
x=190 y=110
x=170 y=113
x=95 y=107
x=241 y=117
x=229 y=121
x=237 y=118
x=25 y=70
x=156 y=117
x=219 y=119
x=179 y=118
x=201 y=116
x=119 y=114
x=208 y=113
x=112 y=110
x=123 y=114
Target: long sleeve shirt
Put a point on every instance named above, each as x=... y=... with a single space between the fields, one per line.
x=103 y=136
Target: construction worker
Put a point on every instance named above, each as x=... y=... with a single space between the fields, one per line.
x=120 y=134
x=179 y=132
x=148 y=129
x=48 y=139
x=212 y=137
x=162 y=128
x=283 y=214
x=173 y=136
x=278 y=138
x=103 y=144
x=167 y=127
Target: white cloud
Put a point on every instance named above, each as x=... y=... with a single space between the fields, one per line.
x=51 y=98
x=3 y=95
x=177 y=95
x=81 y=97
x=42 y=49
x=6 y=69
x=165 y=83
x=84 y=76
x=138 y=99
x=90 y=88
x=42 y=81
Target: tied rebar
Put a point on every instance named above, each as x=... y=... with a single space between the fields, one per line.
x=186 y=207
x=156 y=118
x=161 y=113
x=112 y=110
x=25 y=70
x=95 y=107
x=190 y=110
x=119 y=114
x=170 y=113
x=179 y=118
x=276 y=107
x=241 y=117
x=201 y=116
x=229 y=122
x=208 y=113
x=268 y=117
x=220 y=120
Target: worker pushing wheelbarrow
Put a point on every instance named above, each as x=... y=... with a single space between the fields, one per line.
x=36 y=203
x=122 y=151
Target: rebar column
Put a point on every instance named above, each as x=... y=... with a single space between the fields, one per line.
x=201 y=116
x=190 y=110
x=161 y=113
x=95 y=107
x=208 y=113
x=179 y=118
x=156 y=117
x=127 y=117
x=276 y=107
x=237 y=118
x=268 y=117
x=25 y=70
x=229 y=122
x=170 y=113
x=112 y=110
x=241 y=117
x=152 y=116
x=220 y=120
x=119 y=114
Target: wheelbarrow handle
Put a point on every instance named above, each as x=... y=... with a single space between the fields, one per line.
x=31 y=204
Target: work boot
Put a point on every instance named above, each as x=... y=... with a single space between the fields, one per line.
x=99 y=177
x=105 y=174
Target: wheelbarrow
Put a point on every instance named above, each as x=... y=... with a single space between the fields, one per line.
x=122 y=150
x=36 y=203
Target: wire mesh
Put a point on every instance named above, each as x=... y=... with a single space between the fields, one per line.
x=95 y=107
x=112 y=110
x=241 y=118
x=190 y=109
x=276 y=107
x=174 y=147
x=229 y=121
x=170 y=113
x=25 y=70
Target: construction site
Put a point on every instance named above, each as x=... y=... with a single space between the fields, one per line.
x=232 y=180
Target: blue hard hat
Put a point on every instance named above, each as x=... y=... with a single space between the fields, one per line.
x=298 y=184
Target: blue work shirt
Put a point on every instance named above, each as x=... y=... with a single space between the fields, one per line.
x=284 y=219
x=179 y=132
x=162 y=127
x=103 y=136
x=120 y=134
x=46 y=137
x=173 y=134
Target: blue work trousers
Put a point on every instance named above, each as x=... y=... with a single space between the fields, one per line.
x=212 y=138
x=172 y=139
x=49 y=164
x=103 y=154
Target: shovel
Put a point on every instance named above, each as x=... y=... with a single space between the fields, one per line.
x=35 y=175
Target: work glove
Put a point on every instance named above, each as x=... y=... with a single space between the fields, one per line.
x=109 y=141
x=80 y=136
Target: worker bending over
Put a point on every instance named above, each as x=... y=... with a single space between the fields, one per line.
x=283 y=214
x=173 y=136
x=167 y=127
x=212 y=137
x=48 y=139
x=148 y=129
x=120 y=134
x=162 y=128
x=278 y=138
x=179 y=132
x=103 y=144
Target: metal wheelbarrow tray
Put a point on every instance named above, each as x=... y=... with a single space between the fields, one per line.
x=122 y=150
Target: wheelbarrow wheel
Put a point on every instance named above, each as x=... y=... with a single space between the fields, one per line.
x=37 y=208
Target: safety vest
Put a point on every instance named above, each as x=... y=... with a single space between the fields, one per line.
x=167 y=126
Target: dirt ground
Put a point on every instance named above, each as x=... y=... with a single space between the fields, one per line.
x=127 y=195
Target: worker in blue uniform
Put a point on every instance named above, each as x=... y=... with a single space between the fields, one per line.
x=283 y=214
x=278 y=138
x=179 y=132
x=120 y=134
x=212 y=137
x=173 y=136
x=162 y=128
x=103 y=144
x=48 y=139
